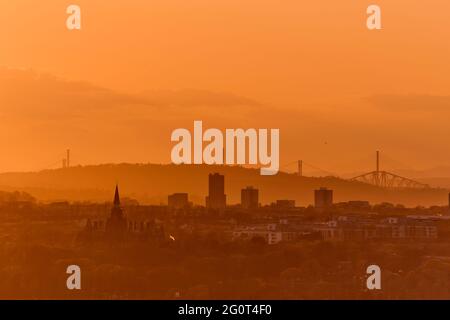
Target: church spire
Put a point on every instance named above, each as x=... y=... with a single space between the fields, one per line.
x=116 y=196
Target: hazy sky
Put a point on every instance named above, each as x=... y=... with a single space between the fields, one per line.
x=137 y=70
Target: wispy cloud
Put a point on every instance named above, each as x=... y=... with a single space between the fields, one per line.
x=411 y=103
x=28 y=94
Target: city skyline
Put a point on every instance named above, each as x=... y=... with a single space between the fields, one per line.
x=91 y=183
x=190 y=252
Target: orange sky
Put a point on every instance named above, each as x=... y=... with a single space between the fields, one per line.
x=336 y=90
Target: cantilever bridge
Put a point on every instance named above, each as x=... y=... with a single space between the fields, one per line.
x=387 y=179
x=377 y=177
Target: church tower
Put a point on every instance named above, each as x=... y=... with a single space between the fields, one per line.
x=116 y=226
x=116 y=211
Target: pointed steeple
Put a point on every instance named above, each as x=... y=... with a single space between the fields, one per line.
x=116 y=197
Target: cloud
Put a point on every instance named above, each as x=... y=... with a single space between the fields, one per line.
x=410 y=103
x=27 y=94
x=199 y=98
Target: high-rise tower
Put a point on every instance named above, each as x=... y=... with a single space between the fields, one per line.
x=323 y=198
x=216 y=198
x=249 y=198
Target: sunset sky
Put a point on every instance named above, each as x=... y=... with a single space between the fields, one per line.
x=138 y=69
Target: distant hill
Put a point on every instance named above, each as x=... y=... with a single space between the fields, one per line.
x=440 y=182
x=151 y=183
x=15 y=196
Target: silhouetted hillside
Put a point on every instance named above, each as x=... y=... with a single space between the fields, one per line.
x=150 y=183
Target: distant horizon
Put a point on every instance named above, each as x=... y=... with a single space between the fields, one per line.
x=317 y=173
